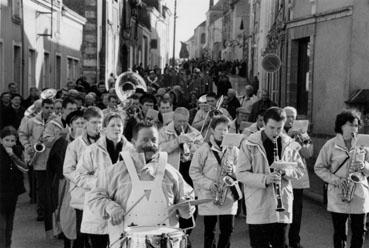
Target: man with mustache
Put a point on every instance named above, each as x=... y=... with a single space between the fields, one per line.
x=143 y=172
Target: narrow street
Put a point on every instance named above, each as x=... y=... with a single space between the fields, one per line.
x=316 y=229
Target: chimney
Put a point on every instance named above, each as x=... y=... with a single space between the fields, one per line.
x=211 y=3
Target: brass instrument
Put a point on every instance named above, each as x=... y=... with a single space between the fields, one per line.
x=303 y=139
x=39 y=148
x=126 y=85
x=277 y=186
x=210 y=114
x=33 y=109
x=353 y=178
x=186 y=149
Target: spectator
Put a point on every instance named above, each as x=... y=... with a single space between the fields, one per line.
x=34 y=94
x=232 y=103
x=223 y=85
x=249 y=98
x=263 y=103
x=13 y=88
x=14 y=113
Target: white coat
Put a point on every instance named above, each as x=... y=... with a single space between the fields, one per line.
x=252 y=169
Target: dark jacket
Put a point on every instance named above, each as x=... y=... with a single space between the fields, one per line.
x=223 y=85
x=54 y=172
x=232 y=106
x=11 y=179
x=258 y=106
x=13 y=117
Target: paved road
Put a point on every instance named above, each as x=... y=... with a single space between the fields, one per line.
x=316 y=229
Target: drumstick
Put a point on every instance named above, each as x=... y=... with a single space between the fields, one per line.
x=147 y=194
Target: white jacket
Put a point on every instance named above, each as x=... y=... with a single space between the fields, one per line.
x=72 y=156
x=95 y=159
x=206 y=171
x=168 y=142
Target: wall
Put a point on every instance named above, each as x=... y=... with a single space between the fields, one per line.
x=303 y=8
x=331 y=70
x=159 y=31
x=359 y=46
x=65 y=42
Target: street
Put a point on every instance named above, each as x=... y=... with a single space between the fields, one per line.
x=316 y=229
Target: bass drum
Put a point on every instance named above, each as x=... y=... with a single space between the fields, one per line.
x=154 y=237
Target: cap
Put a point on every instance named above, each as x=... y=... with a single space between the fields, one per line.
x=74 y=115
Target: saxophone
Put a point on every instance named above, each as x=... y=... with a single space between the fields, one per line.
x=277 y=186
x=223 y=185
x=353 y=178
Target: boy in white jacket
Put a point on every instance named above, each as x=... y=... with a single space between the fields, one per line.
x=94 y=118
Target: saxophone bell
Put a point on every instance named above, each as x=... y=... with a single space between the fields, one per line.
x=39 y=148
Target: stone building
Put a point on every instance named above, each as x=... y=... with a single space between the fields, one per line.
x=40 y=44
x=100 y=37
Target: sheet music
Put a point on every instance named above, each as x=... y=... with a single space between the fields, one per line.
x=300 y=125
x=232 y=139
x=362 y=140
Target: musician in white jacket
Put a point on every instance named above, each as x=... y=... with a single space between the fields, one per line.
x=93 y=126
x=210 y=164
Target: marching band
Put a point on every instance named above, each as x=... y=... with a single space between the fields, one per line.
x=130 y=176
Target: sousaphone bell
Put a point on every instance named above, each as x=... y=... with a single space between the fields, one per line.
x=126 y=85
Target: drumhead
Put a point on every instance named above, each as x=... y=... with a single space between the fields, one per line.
x=153 y=231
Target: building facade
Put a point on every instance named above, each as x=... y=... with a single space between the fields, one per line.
x=101 y=36
x=40 y=44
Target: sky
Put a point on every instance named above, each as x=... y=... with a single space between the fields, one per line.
x=190 y=14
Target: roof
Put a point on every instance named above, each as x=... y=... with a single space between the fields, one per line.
x=360 y=96
x=201 y=25
x=219 y=5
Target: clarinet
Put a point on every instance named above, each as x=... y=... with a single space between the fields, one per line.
x=277 y=186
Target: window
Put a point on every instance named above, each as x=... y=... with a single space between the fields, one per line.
x=17 y=70
x=72 y=69
x=202 y=38
x=16 y=10
x=58 y=71
x=31 y=68
x=46 y=71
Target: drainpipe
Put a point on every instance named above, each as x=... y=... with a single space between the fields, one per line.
x=23 y=49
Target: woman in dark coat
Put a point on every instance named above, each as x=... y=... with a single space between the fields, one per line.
x=11 y=181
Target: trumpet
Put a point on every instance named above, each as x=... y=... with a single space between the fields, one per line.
x=39 y=148
x=277 y=186
x=353 y=178
x=186 y=149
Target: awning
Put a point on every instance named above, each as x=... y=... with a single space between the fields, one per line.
x=360 y=96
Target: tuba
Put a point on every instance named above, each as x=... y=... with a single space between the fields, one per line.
x=46 y=94
x=126 y=85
